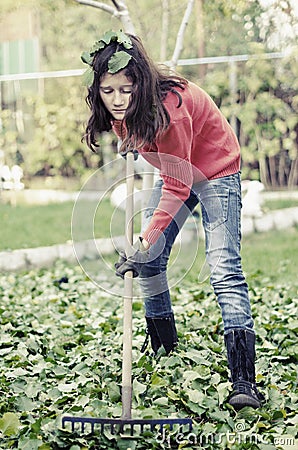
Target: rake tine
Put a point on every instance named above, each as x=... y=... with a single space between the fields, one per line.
x=118 y=425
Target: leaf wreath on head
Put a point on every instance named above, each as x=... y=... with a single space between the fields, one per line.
x=118 y=60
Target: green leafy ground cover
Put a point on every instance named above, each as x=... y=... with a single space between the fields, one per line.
x=60 y=353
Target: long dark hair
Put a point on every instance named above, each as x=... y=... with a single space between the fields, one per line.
x=146 y=116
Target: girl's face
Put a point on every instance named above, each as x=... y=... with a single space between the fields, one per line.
x=115 y=92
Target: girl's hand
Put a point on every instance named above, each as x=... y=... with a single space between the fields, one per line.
x=134 y=262
x=145 y=244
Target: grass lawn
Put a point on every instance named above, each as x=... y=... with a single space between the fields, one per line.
x=279 y=204
x=34 y=226
x=272 y=255
x=27 y=226
x=268 y=258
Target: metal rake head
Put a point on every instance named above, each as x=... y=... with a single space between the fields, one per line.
x=119 y=426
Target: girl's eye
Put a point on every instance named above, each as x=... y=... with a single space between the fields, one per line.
x=106 y=91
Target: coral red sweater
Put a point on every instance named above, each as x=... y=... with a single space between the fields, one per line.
x=198 y=145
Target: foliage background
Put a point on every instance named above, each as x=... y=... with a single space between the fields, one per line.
x=48 y=142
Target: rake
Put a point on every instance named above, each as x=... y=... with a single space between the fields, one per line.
x=126 y=423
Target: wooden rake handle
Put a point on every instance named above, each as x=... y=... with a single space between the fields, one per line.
x=128 y=294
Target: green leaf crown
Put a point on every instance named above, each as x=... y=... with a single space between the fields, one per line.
x=118 y=60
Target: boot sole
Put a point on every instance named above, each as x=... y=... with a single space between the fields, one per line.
x=239 y=401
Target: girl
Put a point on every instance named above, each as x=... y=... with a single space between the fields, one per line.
x=177 y=128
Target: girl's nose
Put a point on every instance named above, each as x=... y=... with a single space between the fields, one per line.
x=118 y=98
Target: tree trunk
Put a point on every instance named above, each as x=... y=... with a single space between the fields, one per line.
x=263 y=171
x=164 y=30
x=272 y=169
x=180 y=35
x=293 y=175
x=201 y=37
x=233 y=92
x=282 y=169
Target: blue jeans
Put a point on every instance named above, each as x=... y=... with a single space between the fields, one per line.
x=220 y=202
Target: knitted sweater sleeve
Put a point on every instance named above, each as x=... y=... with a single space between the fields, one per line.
x=174 y=149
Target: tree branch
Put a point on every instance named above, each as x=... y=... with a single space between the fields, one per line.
x=180 y=35
x=124 y=16
x=115 y=4
x=99 y=5
x=120 y=11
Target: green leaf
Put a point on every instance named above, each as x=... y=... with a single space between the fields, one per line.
x=156 y=380
x=118 y=61
x=32 y=390
x=26 y=404
x=190 y=375
x=220 y=416
x=9 y=424
x=28 y=443
x=114 y=391
x=86 y=58
x=173 y=361
x=126 y=444
x=293 y=325
x=19 y=372
x=195 y=396
x=106 y=39
x=88 y=77
x=172 y=395
x=123 y=39
x=161 y=401
x=111 y=36
x=83 y=400
x=223 y=390
x=60 y=371
x=204 y=372
x=67 y=387
x=195 y=355
x=139 y=388
x=5 y=351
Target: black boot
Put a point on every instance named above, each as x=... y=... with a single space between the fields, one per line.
x=240 y=344
x=162 y=331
